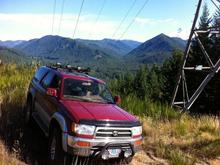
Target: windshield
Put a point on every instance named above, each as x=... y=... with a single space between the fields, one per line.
x=87 y=91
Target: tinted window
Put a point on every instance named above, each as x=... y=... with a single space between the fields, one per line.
x=47 y=80
x=55 y=83
x=40 y=74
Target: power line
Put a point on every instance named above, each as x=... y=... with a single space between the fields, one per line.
x=61 y=16
x=139 y=11
x=216 y=4
x=99 y=13
x=126 y=15
x=54 y=10
x=77 y=21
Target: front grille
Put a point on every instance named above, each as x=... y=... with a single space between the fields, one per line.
x=113 y=133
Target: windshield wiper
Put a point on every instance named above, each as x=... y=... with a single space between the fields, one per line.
x=110 y=102
x=89 y=99
x=76 y=97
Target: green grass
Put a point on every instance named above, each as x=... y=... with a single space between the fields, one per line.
x=179 y=139
x=14 y=81
x=210 y=149
x=187 y=139
x=146 y=107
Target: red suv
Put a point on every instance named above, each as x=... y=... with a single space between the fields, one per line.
x=81 y=118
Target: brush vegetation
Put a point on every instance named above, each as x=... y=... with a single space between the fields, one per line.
x=175 y=137
x=14 y=81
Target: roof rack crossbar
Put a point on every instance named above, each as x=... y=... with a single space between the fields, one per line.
x=69 y=68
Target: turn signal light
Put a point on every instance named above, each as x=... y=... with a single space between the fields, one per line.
x=83 y=144
x=137 y=143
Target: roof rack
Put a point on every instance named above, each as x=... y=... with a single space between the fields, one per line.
x=69 y=68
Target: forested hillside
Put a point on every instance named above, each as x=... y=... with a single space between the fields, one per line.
x=10 y=55
x=155 y=50
x=102 y=53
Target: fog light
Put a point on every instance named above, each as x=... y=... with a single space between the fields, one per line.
x=105 y=155
x=127 y=153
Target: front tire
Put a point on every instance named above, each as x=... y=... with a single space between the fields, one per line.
x=56 y=155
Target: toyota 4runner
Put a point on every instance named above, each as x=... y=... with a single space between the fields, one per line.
x=80 y=117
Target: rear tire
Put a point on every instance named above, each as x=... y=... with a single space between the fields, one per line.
x=28 y=112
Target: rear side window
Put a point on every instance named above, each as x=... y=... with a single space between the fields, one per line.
x=40 y=74
x=55 y=83
x=47 y=80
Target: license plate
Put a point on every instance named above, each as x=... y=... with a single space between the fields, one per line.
x=114 y=153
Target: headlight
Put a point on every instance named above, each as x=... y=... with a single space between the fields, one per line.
x=136 y=131
x=82 y=129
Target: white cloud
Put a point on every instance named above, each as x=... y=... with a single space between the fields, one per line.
x=167 y=26
x=151 y=21
x=28 y=26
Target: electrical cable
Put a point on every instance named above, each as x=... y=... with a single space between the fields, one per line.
x=98 y=16
x=216 y=4
x=124 y=18
x=77 y=21
x=54 y=10
x=61 y=16
x=129 y=25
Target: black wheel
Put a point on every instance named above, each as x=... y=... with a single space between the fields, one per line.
x=56 y=155
x=29 y=110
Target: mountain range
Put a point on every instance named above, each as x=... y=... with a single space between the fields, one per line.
x=156 y=50
x=10 y=43
x=102 y=53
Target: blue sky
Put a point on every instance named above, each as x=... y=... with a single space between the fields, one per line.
x=27 y=19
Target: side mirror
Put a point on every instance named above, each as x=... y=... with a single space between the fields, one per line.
x=117 y=99
x=52 y=92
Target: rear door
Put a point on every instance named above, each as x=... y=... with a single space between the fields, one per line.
x=48 y=104
x=35 y=86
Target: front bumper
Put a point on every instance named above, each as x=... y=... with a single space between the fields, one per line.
x=98 y=145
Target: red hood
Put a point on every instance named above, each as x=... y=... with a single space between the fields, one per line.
x=96 y=111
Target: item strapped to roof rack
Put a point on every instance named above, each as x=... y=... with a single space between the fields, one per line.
x=69 y=68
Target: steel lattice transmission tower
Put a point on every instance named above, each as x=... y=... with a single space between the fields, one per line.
x=186 y=101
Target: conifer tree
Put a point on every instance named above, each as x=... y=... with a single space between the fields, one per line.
x=170 y=73
x=141 y=83
x=196 y=57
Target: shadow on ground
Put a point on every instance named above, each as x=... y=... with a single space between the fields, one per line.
x=28 y=141
x=34 y=145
